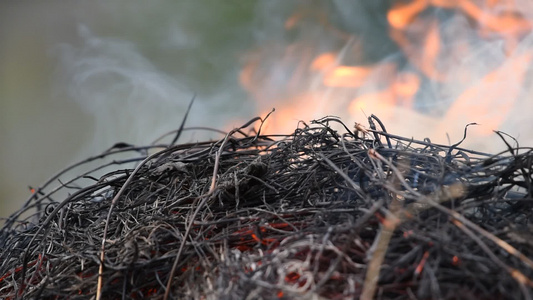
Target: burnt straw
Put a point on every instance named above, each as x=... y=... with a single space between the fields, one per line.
x=328 y=212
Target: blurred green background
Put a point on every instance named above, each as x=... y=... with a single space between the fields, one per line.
x=78 y=76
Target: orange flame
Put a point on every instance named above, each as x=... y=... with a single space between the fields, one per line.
x=305 y=81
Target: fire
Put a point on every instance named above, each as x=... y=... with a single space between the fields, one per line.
x=459 y=61
x=344 y=76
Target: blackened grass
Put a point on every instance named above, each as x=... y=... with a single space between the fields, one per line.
x=331 y=211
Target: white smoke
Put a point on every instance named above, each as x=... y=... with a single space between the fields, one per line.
x=484 y=75
x=130 y=99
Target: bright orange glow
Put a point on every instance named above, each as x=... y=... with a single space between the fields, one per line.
x=449 y=4
x=308 y=80
x=256 y=238
x=288 y=116
x=292 y=277
x=402 y=14
x=380 y=103
x=401 y=91
x=345 y=76
x=324 y=61
x=405 y=87
x=422 y=263
x=455 y=260
x=509 y=21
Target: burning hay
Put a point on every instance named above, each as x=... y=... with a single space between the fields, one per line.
x=317 y=214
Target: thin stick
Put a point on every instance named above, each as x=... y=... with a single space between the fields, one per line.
x=383 y=239
x=113 y=203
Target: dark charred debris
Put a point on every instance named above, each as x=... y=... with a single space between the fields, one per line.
x=316 y=214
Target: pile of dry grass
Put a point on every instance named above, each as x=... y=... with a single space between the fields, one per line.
x=317 y=214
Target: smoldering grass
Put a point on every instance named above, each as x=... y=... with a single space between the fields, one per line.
x=289 y=216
